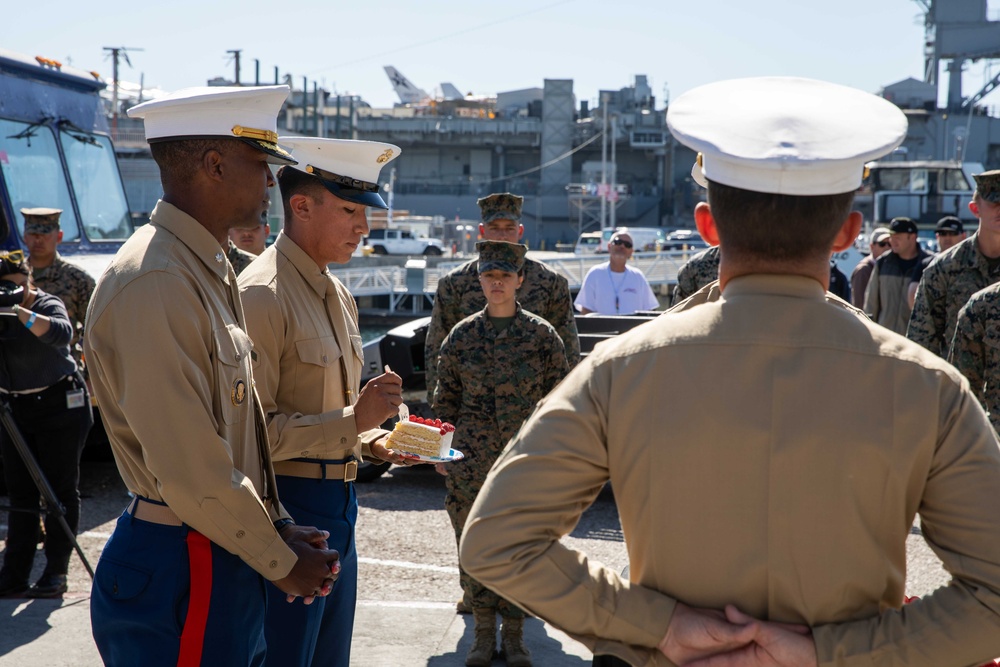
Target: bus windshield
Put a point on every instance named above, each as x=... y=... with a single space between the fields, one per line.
x=97 y=185
x=33 y=174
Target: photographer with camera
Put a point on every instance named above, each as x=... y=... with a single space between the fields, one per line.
x=49 y=402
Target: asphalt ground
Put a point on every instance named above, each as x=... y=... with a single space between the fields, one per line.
x=408 y=580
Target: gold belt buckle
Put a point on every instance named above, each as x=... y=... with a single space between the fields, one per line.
x=350 y=471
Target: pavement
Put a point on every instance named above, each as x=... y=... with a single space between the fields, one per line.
x=56 y=633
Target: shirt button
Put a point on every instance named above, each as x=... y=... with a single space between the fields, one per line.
x=237 y=356
x=240 y=533
x=273 y=563
x=325 y=359
x=343 y=441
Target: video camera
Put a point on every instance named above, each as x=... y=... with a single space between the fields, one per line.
x=10 y=293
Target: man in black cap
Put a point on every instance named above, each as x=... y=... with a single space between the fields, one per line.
x=885 y=299
x=949 y=232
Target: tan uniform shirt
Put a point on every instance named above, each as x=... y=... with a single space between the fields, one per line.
x=752 y=487
x=170 y=365
x=304 y=324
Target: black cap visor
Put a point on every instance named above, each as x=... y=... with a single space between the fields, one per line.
x=355 y=195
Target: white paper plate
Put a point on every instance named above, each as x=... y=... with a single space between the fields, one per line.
x=453 y=455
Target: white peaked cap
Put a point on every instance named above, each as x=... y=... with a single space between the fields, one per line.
x=348 y=168
x=785 y=135
x=248 y=113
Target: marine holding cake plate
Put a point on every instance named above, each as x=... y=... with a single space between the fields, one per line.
x=494 y=367
x=424 y=439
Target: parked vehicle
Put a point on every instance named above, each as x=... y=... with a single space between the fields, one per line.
x=924 y=190
x=55 y=152
x=645 y=239
x=402 y=242
x=684 y=239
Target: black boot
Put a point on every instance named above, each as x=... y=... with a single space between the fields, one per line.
x=48 y=586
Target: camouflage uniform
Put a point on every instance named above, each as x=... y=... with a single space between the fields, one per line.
x=975 y=349
x=947 y=283
x=74 y=286
x=488 y=385
x=544 y=292
x=697 y=272
x=240 y=259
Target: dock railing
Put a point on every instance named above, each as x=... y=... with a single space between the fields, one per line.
x=660 y=269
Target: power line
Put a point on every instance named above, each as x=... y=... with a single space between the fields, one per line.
x=543 y=166
x=440 y=38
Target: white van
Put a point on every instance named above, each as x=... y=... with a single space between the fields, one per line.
x=592 y=243
x=644 y=239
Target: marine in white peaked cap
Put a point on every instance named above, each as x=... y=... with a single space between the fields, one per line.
x=349 y=169
x=173 y=368
x=810 y=436
x=792 y=136
x=245 y=113
x=304 y=325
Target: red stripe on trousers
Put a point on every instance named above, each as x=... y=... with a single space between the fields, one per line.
x=200 y=596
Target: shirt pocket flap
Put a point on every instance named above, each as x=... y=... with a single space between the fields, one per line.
x=232 y=345
x=318 y=351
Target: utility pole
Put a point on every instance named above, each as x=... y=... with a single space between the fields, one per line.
x=236 y=56
x=117 y=53
x=603 y=190
x=390 y=187
x=613 y=191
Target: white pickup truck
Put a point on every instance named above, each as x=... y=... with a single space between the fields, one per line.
x=400 y=242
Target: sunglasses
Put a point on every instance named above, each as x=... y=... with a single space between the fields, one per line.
x=12 y=256
x=946 y=233
x=883 y=244
x=627 y=244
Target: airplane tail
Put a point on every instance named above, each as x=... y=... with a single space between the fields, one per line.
x=450 y=92
x=407 y=91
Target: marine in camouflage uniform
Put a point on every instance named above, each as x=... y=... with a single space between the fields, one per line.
x=697 y=272
x=948 y=282
x=975 y=349
x=67 y=281
x=240 y=259
x=544 y=293
x=489 y=381
x=954 y=276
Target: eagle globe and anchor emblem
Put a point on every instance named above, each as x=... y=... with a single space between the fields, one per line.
x=239 y=392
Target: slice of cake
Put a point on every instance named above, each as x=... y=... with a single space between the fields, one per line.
x=425 y=437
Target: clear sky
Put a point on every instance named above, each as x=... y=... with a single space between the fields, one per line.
x=484 y=47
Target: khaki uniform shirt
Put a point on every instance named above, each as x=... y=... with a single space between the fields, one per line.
x=304 y=324
x=170 y=365
x=73 y=286
x=750 y=489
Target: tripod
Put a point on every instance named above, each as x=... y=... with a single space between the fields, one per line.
x=51 y=504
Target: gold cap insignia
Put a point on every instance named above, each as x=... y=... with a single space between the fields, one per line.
x=254 y=133
x=385 y=156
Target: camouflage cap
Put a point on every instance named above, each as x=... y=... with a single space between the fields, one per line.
x=501 y=206
x=988 y=185
x=501 y=256
x=41 y=220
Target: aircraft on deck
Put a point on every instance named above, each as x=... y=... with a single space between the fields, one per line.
x=410 y=95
